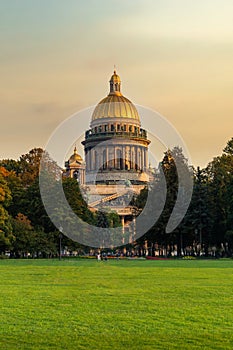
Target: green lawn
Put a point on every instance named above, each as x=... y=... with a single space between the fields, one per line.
x=83 y=304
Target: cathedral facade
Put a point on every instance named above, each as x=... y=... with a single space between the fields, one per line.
x=116 y=154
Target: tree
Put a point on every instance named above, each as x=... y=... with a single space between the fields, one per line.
x=76 y=201
x=17 y=190
x=165 y=190
x=29 y=164
x=197 y=224
x=23 y=235
x=30 y=242
x=6 y=236
x=221 y=179
x=11 y=165
x=228 y=150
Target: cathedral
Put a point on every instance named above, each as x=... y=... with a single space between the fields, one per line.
x=116 y=155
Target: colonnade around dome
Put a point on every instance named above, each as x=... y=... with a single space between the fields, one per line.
x=117 y=157
x=115 y=129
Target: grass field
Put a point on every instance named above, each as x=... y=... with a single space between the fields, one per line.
x=83 y=304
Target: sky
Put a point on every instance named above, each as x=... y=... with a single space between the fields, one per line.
x=173 y=56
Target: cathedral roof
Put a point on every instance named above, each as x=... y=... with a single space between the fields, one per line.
x=75 y=157
x=115 y=105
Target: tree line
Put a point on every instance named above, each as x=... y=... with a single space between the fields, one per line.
x=206 y=229
x=25 y=228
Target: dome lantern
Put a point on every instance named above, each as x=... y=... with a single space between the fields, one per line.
x=115 y=84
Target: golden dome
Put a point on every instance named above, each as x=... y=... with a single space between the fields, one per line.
x=75 y=157
x=115 y=105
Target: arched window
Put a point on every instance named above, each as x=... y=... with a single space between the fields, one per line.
x=76 y=175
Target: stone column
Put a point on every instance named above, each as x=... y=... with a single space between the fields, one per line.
x=93 y=165
x=131 y=157
x=139 y=159
x=136 y=157
x=127 y=156
x=88 y=159
x=142 y=152
x=101 y=158
x=111 y=156
x=123 y=158
x=130 y=165
x=115 y=158
x=146 y=158
x=107 y=158
x=91 y=159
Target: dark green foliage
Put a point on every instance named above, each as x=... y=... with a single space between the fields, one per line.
x=11 y=165
x=6 y=236
x=166 y=176
x=76 y=201
x=209 y=220
x=198 y=222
